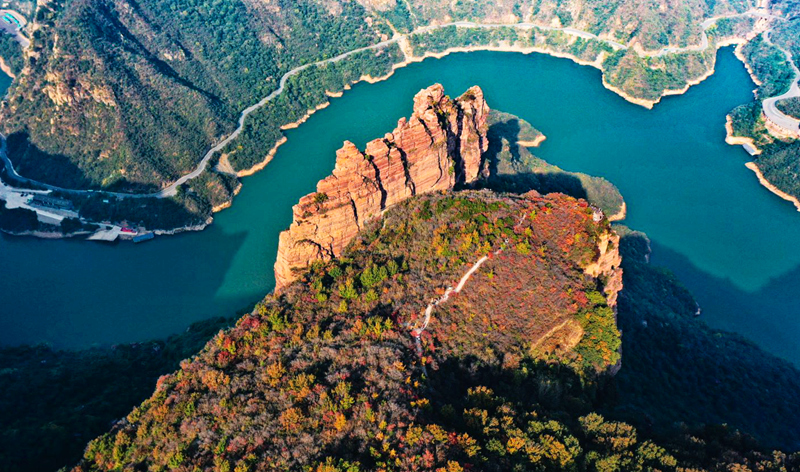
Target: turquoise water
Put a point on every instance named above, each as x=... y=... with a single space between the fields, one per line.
x=735 y=245
x=5 y=82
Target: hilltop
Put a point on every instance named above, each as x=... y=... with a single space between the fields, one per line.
x=331 y=370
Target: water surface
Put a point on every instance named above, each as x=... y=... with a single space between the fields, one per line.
x=735 y=245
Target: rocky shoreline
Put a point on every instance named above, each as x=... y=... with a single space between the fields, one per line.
x=772 y=188
x=747 y=143
x=7 y=69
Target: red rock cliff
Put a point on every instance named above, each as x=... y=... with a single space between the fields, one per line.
x=439 y=146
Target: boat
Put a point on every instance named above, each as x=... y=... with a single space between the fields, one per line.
x=143 y=237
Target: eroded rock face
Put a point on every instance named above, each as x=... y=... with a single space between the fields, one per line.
x=439 y=146
x=608 y=267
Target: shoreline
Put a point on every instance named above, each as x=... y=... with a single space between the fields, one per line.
x=534 y=143
x=261 y=165
x=46 y=234
x=649 y=104
x=620 y=215
x=183 y=229
x=772 y=188
x=268 y=158
x=228 y=202
x=597 y=64
x=739 y=140
x=739 y=55
x=7 y=69
x=411 y=59
x=372 y=80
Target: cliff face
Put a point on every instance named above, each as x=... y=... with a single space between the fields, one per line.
x=439 y=146
x=607 y=266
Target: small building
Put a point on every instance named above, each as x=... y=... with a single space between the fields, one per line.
x=47 y=201
x=11 y=19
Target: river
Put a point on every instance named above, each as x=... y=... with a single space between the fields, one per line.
x=734 y=244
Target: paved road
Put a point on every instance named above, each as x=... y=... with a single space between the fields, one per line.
x=172 y=189
x=705 y=25
x=789 y=124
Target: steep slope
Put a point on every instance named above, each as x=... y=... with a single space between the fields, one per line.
x=513 y=168
x=438 y=146
x=332 y=368
x=130 y=95
x=344 y=372
x=678 y=371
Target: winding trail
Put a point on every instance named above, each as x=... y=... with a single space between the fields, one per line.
x=787 y=123
x=416 y=333
x=172 y=189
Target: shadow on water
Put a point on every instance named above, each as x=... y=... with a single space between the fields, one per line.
x=767 y=314
x=677 y=370
x=522 y=180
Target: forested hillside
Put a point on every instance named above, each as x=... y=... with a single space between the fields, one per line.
x=769 y=66
x=130 y=95
x=343 y=373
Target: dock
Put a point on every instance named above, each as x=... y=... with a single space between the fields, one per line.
x=139 y=238
x=106 y=234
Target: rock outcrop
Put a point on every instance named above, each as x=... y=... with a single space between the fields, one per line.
x=607 y=266
x=439 y=146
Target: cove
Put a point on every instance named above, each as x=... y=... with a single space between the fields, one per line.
x=731 y=242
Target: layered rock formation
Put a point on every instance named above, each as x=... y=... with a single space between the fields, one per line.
x=439 y=146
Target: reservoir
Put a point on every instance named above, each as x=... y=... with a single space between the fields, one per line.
x=731 y=242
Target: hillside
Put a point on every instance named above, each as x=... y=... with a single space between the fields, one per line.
x=772 y=60
x=131 y=94
x=330 y=370
x=452 y=330
x=679 y=373
x=156 y=83
x=509 y=292
x=343 y=372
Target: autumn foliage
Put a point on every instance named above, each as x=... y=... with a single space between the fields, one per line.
x=329 y=376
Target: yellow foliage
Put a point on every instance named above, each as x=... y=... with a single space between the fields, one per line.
x=274 y=373
x=469 y=445
x=439 y=434
x=340 y=421
x=515 y=444
x=452 y=466
x=290 y=419
x=214 y=378
x=413 y=435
